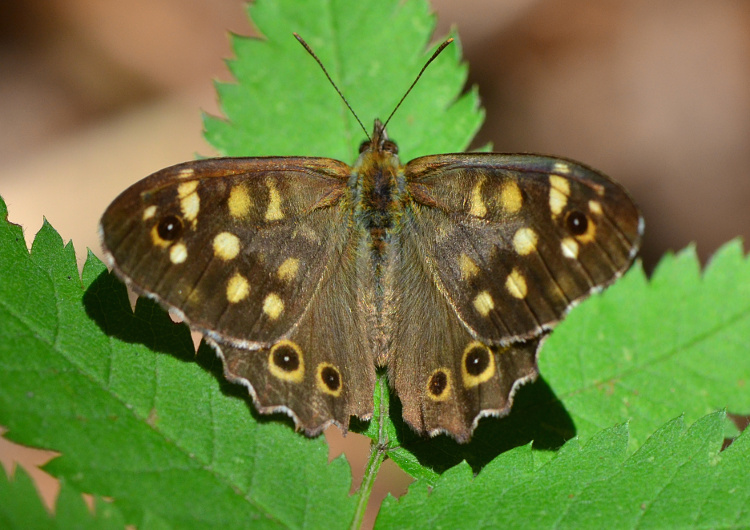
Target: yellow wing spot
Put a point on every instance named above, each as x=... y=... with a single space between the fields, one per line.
x=305 y=231
x=157 y=240
x=190 y=202
x=288 y=270
x=484 y=303
x=273 y=212
x=328 y=379
x=285 y=361
x=524 y=241
x=558 y=194
x=468 y=267
x=226 y=246
x=439 y=385
x=569 y=248
x=477 y=364
x=178 y=253
x=561 y=167
x=516 y=284
x=273 y=306
x=595 y=207
x=237 y=288
x=239 y=201
x=186 y=172
x=149 y=212
x=511 y=197
x=477 y=207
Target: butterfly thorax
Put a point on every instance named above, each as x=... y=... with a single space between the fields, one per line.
x=377 y=187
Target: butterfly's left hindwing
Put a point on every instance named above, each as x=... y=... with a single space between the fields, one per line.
x=257 y=254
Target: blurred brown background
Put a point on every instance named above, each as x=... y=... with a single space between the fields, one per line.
x=656 y=93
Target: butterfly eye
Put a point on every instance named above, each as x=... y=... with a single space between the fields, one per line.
x=363 y=146
x=286 y=358
x=438 y=384
x=577 y=223
x=477 y=361
x=390 y=146
x=169 y=228
x=331 y=378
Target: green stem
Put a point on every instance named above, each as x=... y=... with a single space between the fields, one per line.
x=377 y=456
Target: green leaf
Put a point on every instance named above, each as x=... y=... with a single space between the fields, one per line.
x=677 y=479
x=21 y=507
x=641 y=351
x=282 y=103
x=649 y=351
x=135 y=419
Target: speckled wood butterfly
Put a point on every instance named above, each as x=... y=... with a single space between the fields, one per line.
x=305 y=274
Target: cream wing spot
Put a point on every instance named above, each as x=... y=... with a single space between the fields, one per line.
x=515 y=283
x=237 y=288
x=239 y=201
x=273 y=211
x=558 y=194
x=484 y=303
x=468 y=267
x=595 y=207
x=273 y=306
x=190 y=202
x=524 y=241
x=510 y=197
x=149 y=212
x=569 y=248
x=186 y=172
x=178 y=253
x=288 y=270
x=226 y=246
x=477 y=208
x=561 y=167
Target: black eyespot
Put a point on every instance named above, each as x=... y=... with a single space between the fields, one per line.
x=286 y=358
x=390 y=147
x=331 y=378
x=577 y=223
x=477 y=360
x=169 y=228
x=438 y=383
x=364 y=146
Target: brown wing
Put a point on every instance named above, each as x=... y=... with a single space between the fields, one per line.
x=248 y=251
x=446 y=378
x=513 y=241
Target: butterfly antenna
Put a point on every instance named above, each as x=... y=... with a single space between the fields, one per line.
x=312 y=53
x=434 y=56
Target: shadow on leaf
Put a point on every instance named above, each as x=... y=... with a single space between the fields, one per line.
x=537 y=416
x=106 y=303
x=208 y=360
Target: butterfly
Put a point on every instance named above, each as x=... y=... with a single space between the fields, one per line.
x=306 y=274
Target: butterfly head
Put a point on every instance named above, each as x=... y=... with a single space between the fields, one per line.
x=378 y=142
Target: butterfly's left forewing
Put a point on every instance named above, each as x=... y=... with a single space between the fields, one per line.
x=516 y=240
x=257 y=253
